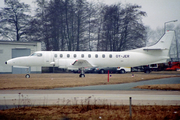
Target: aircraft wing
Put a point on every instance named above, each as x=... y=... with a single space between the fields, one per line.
x=153 y=49
x=81 y=63
x=21 y=66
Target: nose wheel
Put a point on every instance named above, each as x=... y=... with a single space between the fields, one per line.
x=82 y=73
x=27 y=76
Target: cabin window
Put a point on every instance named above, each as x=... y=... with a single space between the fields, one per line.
x=68 y=55
x=89 y=55
x=96 y=56
x=110 y=55
x=75 y=55
x=55 y=55
x=103 y=55
x=61 y=55
x=82 y=55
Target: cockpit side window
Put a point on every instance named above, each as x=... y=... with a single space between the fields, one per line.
x=37 y=54
x=34 y=54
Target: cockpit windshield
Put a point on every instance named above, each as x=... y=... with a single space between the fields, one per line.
x=37 y=54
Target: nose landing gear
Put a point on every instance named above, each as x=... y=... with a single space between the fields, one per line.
x=82 y=73
x=27 y=75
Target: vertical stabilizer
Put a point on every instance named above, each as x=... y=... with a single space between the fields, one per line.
x=160 y=50
x=164 y=43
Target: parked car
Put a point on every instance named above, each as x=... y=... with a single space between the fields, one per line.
x=86 y=70
x=89 y=70
x=137 y=69
x=102 y=70
x=146 y=68
x=173 y=66
x=123 y=69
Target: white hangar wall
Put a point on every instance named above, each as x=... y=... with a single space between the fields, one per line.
x=11 y=49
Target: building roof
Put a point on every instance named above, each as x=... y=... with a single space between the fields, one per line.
x=34 y=43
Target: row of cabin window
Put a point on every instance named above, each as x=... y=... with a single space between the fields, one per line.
x=82 y=55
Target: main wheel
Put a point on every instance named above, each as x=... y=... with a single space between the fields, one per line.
x=147 y=71
x=27 y=76
x=102 y=71
x=82 y=75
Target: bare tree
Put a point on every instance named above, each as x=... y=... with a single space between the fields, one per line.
x=133 y=31
x=74 y=25
x=39 y=28
x=14 y=20
x=122 y=28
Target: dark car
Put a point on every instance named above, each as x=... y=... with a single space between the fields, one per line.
x=89 y=70
x=105 y=70
x=86 y=70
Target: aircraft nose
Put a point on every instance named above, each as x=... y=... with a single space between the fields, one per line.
x=5 y=62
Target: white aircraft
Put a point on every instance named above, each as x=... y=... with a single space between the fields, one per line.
x=74 y=60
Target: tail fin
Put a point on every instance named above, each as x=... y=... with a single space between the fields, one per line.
x=164 y=43
x=160 y=50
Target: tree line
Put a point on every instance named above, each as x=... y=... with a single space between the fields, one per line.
x=74 y=25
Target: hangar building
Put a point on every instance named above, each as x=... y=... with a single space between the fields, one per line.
x=12 y=49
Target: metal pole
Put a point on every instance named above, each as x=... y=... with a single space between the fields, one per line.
x=177 y=47
x=130 y=109
x=165 y=27
x=168 y=22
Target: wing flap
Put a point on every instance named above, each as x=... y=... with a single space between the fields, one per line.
x=81 y=63
x=153 y=49
x=21 y=66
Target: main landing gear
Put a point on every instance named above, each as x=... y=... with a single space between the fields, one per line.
x=82 y=73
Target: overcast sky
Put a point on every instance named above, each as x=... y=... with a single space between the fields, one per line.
x=158 y=11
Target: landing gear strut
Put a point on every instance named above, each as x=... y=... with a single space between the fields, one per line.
x=82 y=73
x=27 y=75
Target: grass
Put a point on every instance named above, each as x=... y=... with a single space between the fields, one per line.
x=161 y=87
x=85 y=110
x=93 y=112
x=49 y=81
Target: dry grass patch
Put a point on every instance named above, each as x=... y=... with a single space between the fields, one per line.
x=93 y=112
x=48 y=81
x=160 y=87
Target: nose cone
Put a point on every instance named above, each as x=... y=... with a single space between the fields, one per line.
x=19 y=61
x=10 y=62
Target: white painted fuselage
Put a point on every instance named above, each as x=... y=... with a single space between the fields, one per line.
x=157 y=53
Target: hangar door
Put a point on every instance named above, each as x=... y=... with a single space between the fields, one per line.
x=19 y=52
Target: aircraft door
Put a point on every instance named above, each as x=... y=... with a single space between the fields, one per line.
x=48 y=58
x=55 y=60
